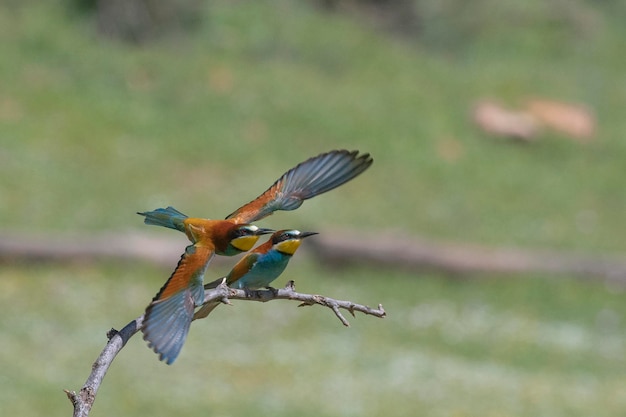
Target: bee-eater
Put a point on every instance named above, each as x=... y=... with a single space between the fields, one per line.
x=260 y=267
x=167 y=318
x=169 y=315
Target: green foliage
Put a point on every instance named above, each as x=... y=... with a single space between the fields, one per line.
x=97 y=130
x=92 y=131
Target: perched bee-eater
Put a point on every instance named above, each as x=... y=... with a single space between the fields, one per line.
x=258 y=268
x=169 y=315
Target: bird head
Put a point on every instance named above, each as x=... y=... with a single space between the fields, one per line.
x=288 y=241
x=243 y=237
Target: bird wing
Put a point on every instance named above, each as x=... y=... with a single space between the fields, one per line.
x=312 y=177
x=240 y=269
x=169 y=315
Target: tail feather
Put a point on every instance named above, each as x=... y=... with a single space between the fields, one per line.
x=206 y=309
x=166 y=217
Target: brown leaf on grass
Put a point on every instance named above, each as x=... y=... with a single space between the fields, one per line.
x=496 y=120
x=575 y=121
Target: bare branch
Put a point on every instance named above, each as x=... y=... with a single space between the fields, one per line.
x=84 y=399
x=289 y=293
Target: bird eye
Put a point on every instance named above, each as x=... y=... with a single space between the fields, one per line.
x=243 y=231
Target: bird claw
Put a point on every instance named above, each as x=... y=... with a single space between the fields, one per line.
x=111 y=333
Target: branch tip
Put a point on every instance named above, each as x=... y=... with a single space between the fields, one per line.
x=71 y=395
x=340 y=316
x=382 y=311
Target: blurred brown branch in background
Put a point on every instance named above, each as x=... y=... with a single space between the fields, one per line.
x=461 y=259
x=331 y=249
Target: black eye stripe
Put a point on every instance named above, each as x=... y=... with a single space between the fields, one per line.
x=244 y=231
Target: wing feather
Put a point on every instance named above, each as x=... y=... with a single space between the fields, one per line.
x=312 y=177
x=169 y=315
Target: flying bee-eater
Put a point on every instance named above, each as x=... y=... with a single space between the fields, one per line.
x=260 y=267
x=167 y=318
x=169 y=315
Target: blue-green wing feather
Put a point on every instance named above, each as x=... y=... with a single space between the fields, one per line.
x=169 y=315
x=167 y=330
x=312 y=177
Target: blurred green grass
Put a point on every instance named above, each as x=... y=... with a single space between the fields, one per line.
x=93 y=130
x=502 y=347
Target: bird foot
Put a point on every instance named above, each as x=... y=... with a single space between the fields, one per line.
x=251 y=293
x=254 y=293
x=111 y=333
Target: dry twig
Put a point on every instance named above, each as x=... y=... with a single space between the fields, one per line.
x=84 y=399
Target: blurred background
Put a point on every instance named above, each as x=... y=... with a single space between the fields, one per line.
x=493 y=124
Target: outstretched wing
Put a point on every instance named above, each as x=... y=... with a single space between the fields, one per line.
x=312 y=177
x=168 y=317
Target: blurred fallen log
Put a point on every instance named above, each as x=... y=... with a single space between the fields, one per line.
x=415 y=254
x=332 y=249
x=106 y=246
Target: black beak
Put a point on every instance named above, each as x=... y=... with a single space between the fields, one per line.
x=264 y=231
x=307 y=234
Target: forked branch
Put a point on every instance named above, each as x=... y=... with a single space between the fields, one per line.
x=83 y=400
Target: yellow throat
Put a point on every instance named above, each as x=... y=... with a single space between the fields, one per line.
x=289 y=246
x=244 y=243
